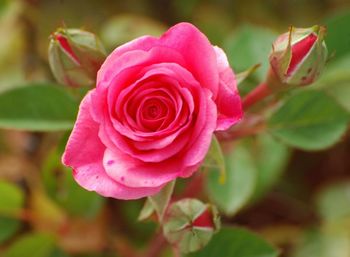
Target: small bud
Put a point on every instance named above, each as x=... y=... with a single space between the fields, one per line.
x=299 y=56
x=189 y=224
x=75 y=56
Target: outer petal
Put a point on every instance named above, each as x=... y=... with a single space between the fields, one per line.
x=202 y=131
x=119 y=61
x=84 y=153
x=228 y=101
x=135 y=173
x=187 y=40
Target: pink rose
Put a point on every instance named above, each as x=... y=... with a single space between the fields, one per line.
x=152 y=115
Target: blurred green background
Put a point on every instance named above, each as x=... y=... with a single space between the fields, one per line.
x=302 y=204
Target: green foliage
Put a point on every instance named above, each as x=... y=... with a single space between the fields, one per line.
x=12 y=200
x=331 y=241
x=36 y=244
x=212 y=21
x=123 y=28
x=58 y=253
x=338 y=39
x=130 y=215
x=251 y=170
x=37 y=107
x=309 y=120
x=236 y=242
x=334 y=201
x=271 y=157
x=158 y=202
x=9 y=227
x=248 y=46
x=63 y=188
x=341 y=93
x=147 y=210
x=332 y=237
x=3 y=5
x=240 y=77
x=77 y=200
x=215 y=160
x=234 y=192
x=185 y=8
x=336 y=81
x=311 y=244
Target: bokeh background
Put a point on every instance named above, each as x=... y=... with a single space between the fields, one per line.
x=304 y=209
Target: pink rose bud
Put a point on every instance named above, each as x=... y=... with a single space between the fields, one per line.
x=75 y=56
x=189 y=224
x=299 y=55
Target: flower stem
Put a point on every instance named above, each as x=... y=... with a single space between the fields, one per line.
x=156 y=246
x=176 y=252
x=258 y=94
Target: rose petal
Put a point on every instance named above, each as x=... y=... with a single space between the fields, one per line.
x=228 y=101
x=84 y=153
x=118 y=61
x=135 y=173
x=188 y=41
x=202 y=131
x=135 y=97
x=115 y=134
x=83 y=144
x=93 y=177
x=165 y=73
x=300 y=50
x=121 y=69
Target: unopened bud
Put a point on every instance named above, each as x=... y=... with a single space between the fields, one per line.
x=299 y=56
x=75 y=56
x=189 y=224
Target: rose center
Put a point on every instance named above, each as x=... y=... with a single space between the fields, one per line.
x=153 y=111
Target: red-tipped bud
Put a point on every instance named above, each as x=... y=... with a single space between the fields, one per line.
x=75 y=56
x=204 y=220
x=299 y=56
x=189 y=224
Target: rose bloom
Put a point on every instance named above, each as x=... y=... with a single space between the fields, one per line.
x=152 y=115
